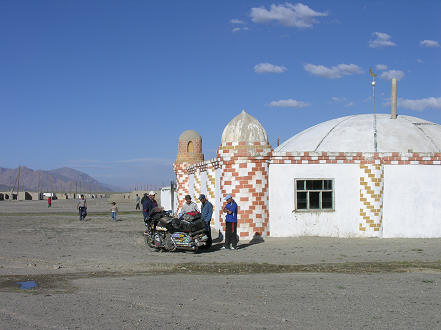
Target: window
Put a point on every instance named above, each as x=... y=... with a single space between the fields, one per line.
x=190 y=146
x=314 y=194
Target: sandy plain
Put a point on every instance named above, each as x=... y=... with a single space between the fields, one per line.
x=99 y=275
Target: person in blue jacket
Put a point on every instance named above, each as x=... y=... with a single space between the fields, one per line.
x=230 y=223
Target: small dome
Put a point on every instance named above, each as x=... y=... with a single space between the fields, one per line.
x=244 y=128
x=356 y=134
x=189 y=135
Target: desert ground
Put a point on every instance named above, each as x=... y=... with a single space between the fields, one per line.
x=99 y=275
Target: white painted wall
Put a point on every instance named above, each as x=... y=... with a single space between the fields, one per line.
x=343 y=222
x=218 y=199
x=166 y=199
x=191 y=185
x=412 y=201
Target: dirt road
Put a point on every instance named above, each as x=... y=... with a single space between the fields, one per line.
x=97 y=274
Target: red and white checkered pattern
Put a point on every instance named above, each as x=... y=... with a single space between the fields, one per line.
x=385 y=158
x=245 y=177
x=182 y=177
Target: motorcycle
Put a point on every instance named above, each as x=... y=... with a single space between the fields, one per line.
x=164 y=232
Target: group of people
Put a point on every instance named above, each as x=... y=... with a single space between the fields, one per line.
x=82 y=209
x=149 y=203
x=230 y=209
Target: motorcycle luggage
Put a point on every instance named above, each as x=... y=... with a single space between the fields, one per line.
x=165 y=220
x=197 y=225
x=191 y=216
x=187 y=226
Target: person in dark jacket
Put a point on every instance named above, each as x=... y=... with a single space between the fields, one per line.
x=152 y=196
x=147 y=207
x=143 y=198
x=206 y=214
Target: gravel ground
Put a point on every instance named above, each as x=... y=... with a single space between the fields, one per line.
x=97 y=274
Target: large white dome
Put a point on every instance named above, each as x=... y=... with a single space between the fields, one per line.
x=244 y=128
x=356 y=134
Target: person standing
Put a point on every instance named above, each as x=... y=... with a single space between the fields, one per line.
x=114 y=210
x=230 y=223
x=152 y=196
x=49 y=201
x=143 y=198
x=147 y=207
x=138 y=202
x=188 y=206
x=82 y=208
x=206 y=214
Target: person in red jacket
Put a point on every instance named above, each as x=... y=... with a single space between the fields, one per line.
x=49 y=201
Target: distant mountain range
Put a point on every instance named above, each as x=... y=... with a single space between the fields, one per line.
x=63 y=179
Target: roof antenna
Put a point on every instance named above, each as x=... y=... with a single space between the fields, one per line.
x=373 y=75
x=393 y=102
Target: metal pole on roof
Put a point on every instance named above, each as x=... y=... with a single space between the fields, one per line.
x=172 y=196
x=373 y=75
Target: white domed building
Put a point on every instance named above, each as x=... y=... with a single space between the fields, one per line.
x=356 y=176
x=337 y=179
x=240 y=169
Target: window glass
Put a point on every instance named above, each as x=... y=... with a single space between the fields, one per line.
x=327 y=200
x=314 y=200
x=314 y=184
x=301 y=201
x=314 y=194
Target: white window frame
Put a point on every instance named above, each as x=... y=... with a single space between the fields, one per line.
x=332 y=209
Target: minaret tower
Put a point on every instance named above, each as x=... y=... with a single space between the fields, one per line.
x=189 y=153
x=244 y=154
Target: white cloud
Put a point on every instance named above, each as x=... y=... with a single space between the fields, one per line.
x=292 y=15
x=336 y=99
x=236 y=21
x=269 y=68
x=388 y=75
x=334 y=71
x=419 y=60
x=239 y=25
x=237 y=29
x=381 y=40
x=289 y=103
x=381 y=67
x=420 y=104
x=429 y=43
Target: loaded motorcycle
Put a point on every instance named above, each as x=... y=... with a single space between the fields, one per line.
x=164 y=232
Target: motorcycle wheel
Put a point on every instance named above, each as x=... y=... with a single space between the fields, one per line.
x=149 y=242
x=169 y=244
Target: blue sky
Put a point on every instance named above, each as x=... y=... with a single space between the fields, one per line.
x=107 y=87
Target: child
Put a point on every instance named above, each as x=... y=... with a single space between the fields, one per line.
x=114 y=209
